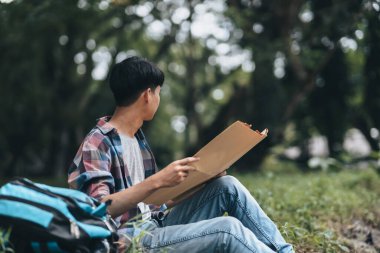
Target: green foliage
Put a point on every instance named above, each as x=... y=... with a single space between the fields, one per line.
x=134 y=244
x=301 y=74
x=311 y=209
x=5 y=246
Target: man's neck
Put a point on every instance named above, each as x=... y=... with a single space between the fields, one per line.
x=126 y=120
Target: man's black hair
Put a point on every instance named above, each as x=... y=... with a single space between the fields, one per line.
x=127 y=79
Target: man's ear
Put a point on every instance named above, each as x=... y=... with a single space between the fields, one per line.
x=145 y=94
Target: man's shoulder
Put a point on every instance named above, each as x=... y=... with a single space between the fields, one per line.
x=96 y=138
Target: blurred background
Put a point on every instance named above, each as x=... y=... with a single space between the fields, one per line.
x=309 y=71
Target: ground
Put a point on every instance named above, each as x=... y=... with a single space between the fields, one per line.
x=317 y=211
x=322 y=211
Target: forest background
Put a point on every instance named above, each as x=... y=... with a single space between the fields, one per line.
x=309 y=71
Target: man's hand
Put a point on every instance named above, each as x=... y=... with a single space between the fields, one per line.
x=174 y=173
x=171 y=175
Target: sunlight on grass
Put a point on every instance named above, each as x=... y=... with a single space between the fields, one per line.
x=310 y=209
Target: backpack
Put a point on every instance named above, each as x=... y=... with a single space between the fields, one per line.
x=44 y=218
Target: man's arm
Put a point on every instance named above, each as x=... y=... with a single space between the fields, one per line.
x=173 y=174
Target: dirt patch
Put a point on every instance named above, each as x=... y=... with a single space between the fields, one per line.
x=361 y=237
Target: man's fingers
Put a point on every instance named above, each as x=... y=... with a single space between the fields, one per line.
x=188 y=160
x=187 y=168
x=183 y=174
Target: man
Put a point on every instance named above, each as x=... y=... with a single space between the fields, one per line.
x=115 y=163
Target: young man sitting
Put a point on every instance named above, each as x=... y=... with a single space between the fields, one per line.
x=115 y=163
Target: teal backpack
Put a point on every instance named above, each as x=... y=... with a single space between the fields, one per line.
x=44 y=218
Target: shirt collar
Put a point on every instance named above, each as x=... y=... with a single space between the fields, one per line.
x=104 y=126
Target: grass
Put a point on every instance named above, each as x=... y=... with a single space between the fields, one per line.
x=312 y=209
x=5 y=246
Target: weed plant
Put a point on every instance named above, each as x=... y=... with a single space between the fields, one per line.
x=5 y=245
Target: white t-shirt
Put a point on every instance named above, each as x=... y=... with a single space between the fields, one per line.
x=135 y=167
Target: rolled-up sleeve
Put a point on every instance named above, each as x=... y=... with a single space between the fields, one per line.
x=91 y=168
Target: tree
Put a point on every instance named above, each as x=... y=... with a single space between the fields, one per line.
x=50 y=87
x=368 y=118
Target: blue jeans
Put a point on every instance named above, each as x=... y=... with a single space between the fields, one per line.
x=198 y=225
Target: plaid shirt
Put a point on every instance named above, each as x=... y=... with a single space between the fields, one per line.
x=98 y=168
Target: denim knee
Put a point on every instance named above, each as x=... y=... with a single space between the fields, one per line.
x=230 y=185
x=232 y=234
x=229 y=224
x=227 y=182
